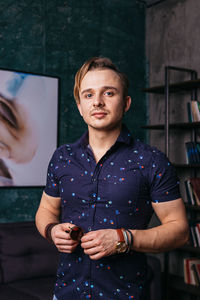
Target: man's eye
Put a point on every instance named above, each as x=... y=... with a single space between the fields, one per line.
x=88 y=95
x=109 y=93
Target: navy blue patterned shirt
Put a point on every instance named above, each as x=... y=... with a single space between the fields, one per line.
x=116 y=192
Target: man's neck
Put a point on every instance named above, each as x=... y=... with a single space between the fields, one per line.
x=101 y=141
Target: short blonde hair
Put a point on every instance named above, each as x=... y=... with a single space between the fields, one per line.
x=98 y=63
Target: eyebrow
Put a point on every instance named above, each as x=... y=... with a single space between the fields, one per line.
x=103 y=87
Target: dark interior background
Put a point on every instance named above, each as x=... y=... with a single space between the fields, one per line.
x=54 y=38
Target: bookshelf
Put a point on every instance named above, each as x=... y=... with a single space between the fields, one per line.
x=176 y=87
x=188 y=248
x=192 y=207
x=184 y=126
x=175 y=285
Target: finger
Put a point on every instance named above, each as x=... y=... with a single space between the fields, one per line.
x=66 y=246
x=67 y=226
x=96 y=256
x=88 y=237
x=90 y=244
x=92 y=251
x=66 y=249
x=58 y=232
x=62 y=235
x=68 y=242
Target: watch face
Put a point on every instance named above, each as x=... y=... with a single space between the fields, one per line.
x=121 y=247
x=76 y=233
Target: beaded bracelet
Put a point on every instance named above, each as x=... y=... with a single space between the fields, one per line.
x=126 y=239
x=130 y=242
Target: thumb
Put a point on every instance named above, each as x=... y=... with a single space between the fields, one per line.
x=67 y=226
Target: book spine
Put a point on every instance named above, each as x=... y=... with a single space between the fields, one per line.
x=191 y=193
x=195 y=274
x=185 y=271
x=197 y=235
x=194 y=153
x=198 y=228
x=188 y=200
x=189 y=112
x=195 y=111
x=198 y=149
x=190 y=153
x=195 y=183
x=188 y=271
x=193 y=237
x=191 y=270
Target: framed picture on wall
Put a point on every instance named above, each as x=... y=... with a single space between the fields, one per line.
x=28 y=127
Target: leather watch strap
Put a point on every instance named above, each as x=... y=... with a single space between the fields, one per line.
x=120 y=235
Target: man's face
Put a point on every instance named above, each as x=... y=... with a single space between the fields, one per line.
x=102 y=104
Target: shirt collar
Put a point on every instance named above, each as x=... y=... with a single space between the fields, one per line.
x=124 y=137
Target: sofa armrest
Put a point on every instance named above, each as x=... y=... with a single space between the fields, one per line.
x=24 y=253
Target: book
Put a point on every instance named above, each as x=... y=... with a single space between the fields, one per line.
x=189 y=152
x=195 y=111
x=198 y=149
x=195 y=274
x=198 y=226
x=192 y=152
x=195 y=185
x=189 y=191
x=187 y=199
x=189 y=112
x=186 y=270
x=193 y=237
x=198 y=268
x=192 y=270
x=197 y=232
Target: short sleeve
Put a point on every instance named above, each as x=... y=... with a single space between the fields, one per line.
x=164 y=180
x=52 y=184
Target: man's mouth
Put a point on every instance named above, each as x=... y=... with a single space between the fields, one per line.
x=99 y=114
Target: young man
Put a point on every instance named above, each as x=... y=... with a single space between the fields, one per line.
x=108 y=184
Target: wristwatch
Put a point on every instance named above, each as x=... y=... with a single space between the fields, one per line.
x=121 y=245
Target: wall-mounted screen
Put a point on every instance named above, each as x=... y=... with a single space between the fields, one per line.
x=28 y=127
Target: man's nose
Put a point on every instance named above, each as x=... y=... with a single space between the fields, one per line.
x=98 y=100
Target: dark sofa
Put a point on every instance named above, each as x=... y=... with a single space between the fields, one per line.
x=28 y=263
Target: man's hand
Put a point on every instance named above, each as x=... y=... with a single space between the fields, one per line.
x=99 y=243
x=62 y=239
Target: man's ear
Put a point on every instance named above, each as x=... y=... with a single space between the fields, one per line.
x=4 y=151
x=127 y=103
x=79 y=108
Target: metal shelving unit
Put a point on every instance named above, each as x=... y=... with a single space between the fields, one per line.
x=183 y=126
x=188 y=248
x=176 y=87
x=177 y=283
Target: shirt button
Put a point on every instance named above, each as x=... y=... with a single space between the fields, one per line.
x=93 y=179
x=89 y=228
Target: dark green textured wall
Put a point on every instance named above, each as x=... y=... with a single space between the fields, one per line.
x=55 y=37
